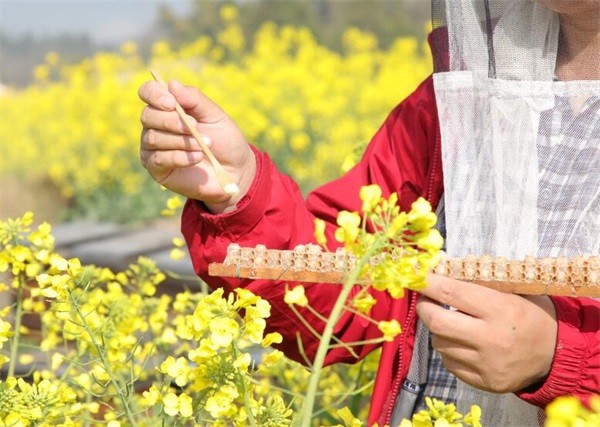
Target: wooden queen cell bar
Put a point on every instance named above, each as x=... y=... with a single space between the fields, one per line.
x=578 y=276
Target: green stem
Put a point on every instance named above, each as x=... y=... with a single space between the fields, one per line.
x=357 y=343
x=14 y=345
x=326 y=336
x=104 y=362
x=242 y=381
x=315 y=333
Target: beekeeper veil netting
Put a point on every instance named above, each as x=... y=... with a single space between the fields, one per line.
x=520 y=149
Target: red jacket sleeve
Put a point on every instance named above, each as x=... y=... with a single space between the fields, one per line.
x=275 y=214
x=576 y=366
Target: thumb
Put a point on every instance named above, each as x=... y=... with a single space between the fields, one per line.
x=195 y=103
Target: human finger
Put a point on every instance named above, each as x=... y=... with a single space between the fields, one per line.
x=450 y=349
x=169 y=121
x=196 y=103
x=477 y=377
x=154 y=139
x=449 y=324
x=157 y=161
x=468 y=374
x=469 y=298
x=154 y=94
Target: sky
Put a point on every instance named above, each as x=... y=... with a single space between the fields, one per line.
x=105 y=21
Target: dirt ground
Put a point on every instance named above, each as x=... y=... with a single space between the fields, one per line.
x=20 y=195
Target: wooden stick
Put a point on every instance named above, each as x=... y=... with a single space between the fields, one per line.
x=229 y=187
x=291 y=275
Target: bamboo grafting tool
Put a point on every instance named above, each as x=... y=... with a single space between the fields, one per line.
x=578 y=276
x=229 y=187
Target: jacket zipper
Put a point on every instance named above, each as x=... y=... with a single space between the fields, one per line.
x=413 y=302
x=396 y=387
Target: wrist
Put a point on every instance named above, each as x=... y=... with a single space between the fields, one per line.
x=547 y=338
x=244 y=183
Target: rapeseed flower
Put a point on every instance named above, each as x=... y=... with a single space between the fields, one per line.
x=568 y=411
x=178 y=405
x=296 y=296
x=390 y=329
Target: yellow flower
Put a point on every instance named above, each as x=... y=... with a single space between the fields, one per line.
x=296 y=296
x=568 y=411
x=186 y=406
x=254 y=329
x=565 y=408
x=370 y=196
x=260 y=310
x=26 y=359
x=242 y=363
x=364 y=303
x=320 y=232
x=430 y=240
x=299 y=142
x=438 y=413
x=272 y=338
x=174 y=203
x=56 y=360
x=349 y=419
x=245 y=298
x=13 y=419
x=151 y=396
x=348 y=163
x=74 y=267
x=390 y=329
x=221 y=404
x=178 y=405
x=5 y=332
x=228 y=13
x=271 y=358
x=59 y=263
x=177 y=369
x=473 y=418
x=176 y=254
x=397 y=225
x=223 y=331
x=348 y=231
x=42 y=237
x=420 y=215
x=178 y=242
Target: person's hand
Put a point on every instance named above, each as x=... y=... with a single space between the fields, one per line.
x=173 y=157
x=493 y=341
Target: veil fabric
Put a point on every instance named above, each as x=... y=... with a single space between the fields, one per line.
x=520 y=150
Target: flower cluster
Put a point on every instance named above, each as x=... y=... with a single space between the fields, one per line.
x=216 y=370
x=118 y=354
x=43 y=402
x=402 y=246
x=439 y=414
x=316 y=102
x=393 y=251
x=104 y=334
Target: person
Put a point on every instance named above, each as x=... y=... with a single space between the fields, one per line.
x=503 y=140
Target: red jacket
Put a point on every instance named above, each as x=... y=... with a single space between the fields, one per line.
x=404 y=157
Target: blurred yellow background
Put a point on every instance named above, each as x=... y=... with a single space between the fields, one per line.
x=307 y=81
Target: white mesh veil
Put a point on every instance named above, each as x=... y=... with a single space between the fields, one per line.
x=521 y=151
